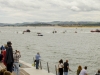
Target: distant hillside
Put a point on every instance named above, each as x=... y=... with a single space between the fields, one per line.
x=54 y=23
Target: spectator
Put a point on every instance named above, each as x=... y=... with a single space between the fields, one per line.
x=1 y=56
x=84 y=71
x=98 y=73
x=60 y=67
x=16 y=62
x=2 y=47
x=37 y=57
x=79 y=70
x=9 y=57
x=66 y=67
x=4 y=54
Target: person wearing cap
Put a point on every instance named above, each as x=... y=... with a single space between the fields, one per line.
x=9 y=57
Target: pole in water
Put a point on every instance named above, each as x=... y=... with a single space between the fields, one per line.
x=48 y=67
x=33 y=61
x=56 y=69
x=40 y=65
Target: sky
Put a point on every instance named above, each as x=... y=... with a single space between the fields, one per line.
x=19 y=11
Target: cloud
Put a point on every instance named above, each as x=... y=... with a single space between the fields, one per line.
x=47 y=10
x=74 y=8
x=24 y=5
x=88 y=5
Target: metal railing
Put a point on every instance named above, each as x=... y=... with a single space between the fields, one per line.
x=48 y=68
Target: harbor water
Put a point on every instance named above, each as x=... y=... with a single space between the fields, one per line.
x=81 y=48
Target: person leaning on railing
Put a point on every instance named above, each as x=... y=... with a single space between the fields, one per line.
x=37 y=58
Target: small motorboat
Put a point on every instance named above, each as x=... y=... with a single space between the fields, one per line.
x=39 y=34
x=97 y=30
x=27 y=30
x=75 y=31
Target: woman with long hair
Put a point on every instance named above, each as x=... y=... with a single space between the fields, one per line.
x=79 y=70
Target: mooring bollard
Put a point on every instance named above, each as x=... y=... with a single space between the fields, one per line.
x=40 y=65
x=33 y=61
x=56 y=69
x=48 y=67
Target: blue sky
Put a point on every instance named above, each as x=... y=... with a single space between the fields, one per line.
x=18 y=11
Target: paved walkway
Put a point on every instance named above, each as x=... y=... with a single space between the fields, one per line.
x=22 y=72
x=28 y=69
x=33 y=71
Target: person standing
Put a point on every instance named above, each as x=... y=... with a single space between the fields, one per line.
x=9 y=57
x=37 y=57
x=1 y=57
x=98 y=73
x=84 y=71
x=60 y=67
x=4 y=54
x=16 y=56
x=79 y=70
x=2 y=47
x=66 y=67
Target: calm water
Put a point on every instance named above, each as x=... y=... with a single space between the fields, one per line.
x=81 y=48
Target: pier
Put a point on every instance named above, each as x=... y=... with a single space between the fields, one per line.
x=28 y=69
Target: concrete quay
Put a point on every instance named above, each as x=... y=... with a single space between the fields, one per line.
x=28 y=69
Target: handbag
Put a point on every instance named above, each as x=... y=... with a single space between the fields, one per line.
x=34 y=60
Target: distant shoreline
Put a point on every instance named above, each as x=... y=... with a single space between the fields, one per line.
x=56 y=26
x=82 y=26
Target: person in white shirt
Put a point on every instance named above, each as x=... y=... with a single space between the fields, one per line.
x=60 y=67
x=16 y=57
x=84 y=71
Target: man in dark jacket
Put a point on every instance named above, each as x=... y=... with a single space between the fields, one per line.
x=9 y=57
